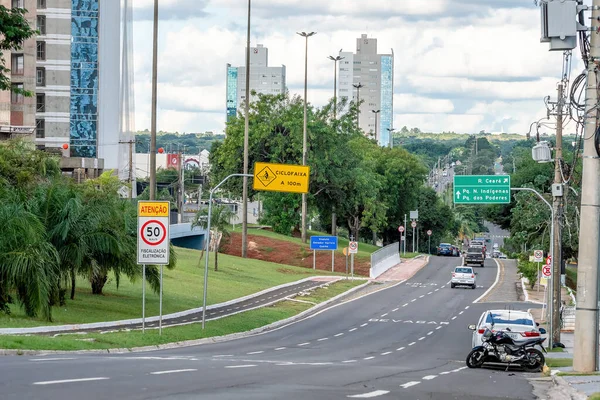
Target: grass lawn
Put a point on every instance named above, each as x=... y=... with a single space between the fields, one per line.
x=559 y=362
x=237 y=323
x=183 y=287
x=556 y=350
x=594 y=396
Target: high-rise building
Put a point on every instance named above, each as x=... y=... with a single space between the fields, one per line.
x=263 y=80
x=374 y=73
x=78 y=66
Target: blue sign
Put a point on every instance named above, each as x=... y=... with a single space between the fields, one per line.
x=323 y=242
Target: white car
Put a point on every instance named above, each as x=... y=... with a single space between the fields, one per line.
x=463 y=276
x=522 y=325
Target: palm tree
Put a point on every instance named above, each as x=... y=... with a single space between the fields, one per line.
x=220 y=221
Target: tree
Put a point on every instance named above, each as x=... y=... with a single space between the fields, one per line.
x=220 y=222
x=14 y=29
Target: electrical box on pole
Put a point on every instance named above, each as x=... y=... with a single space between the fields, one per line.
x=559 y=23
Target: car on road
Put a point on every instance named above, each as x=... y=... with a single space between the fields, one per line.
x=474 y=256
x=444 y=249
x=521 y=324
x=463 y=276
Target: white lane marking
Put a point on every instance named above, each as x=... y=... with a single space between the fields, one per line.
x=395 y=309
x=436 y=290
x=460 y=313
x=413 y=300
x=339 y=334
x=304 y=344
x=280 y=348
x=363 y=325
x=493 y=286
x=447 y=283
x=421 y=338
x=409 y=384
x=349 y=361
x=173 y=371
x=467 y=307
x=430 y=333
x=400 y=348
x=386 y=353
x=404 y=305
x=410 y=344
x=383 y=315
x=439 y=327
x=368 y=358
x=429 y=377
x=52 y=359
x=100 y=378
x=421 y=296
x=430 y=293
x=255 y=352
x=241 y=366
x=369 y=395
x=352 y=330
x=322 y=339
x=224 y=355
x=458 y=369
x=445 y=372
x=453 y=318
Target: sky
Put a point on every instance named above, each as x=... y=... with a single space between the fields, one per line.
x=460 y=65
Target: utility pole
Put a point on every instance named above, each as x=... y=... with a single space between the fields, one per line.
x=585 y=356
x=376 y=112
x=357 y=87
x=153 y=106
x=335 y=61
x=130 y=174
x=246 y=144
x=557 y=234
x=391 y=134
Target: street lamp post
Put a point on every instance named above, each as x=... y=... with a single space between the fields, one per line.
x=153 y=103
x=357 y=87
x=391 y=132
x=376 y=112
x=335 y=61
x=304 y=134
x=246 y=145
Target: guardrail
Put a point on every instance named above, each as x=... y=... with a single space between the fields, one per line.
x=384 y=259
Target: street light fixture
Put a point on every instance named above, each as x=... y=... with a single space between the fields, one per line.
x=357 y=87
x=376 y=112
x=335 y=61
x=391 y=132
x=304 y=134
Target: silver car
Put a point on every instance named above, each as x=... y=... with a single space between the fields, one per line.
x=463 y=276
x=521 y=325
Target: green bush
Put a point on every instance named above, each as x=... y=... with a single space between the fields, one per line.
x=528 y=269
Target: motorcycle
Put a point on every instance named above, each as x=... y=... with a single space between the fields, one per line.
x=498 y=347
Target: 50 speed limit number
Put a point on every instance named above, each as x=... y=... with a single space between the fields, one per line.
x=153 y=232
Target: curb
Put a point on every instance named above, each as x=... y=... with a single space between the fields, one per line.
x=573 y=393
x=120 y=323
x=526 y=292
x=195 y=342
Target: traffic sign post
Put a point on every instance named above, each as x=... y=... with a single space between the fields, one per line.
x=324 y=243
x=547 y=271
x=429 y=232
x=281 y=177
x=153 y=245
x=352 y=249
x=538 y=256
x=414 y=225
x=481 y=189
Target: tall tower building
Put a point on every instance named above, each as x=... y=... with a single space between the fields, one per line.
x=375 y=74
x=263 y=80
x=78 y=67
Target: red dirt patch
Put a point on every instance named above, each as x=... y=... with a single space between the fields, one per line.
x=282 y=252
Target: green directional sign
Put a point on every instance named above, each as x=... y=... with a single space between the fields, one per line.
x=481 y=189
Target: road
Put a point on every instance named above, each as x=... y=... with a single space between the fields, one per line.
x=409 y=341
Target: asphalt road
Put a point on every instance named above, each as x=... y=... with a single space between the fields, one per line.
x=406 y=342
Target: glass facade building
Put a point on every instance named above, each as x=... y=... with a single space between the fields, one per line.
x=84 y=78
x=232 y=82
x=387 y=94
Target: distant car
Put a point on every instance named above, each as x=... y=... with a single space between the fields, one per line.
x=444 y=249
x=522 y=325
x=463 y=276
x=474 y=256
x=502 y=256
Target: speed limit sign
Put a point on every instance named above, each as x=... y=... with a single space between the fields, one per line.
x=429 y=232
x=153 y=232
x=413 y=224
x=400 y=229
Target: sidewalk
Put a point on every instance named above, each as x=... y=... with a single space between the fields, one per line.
x=537 y=297
x=403 y=271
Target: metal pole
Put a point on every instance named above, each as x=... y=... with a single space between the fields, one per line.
x=405 y=230
x=556 y=238
x=352 y=265
x=153 y=104
x=413 y=240
x=246 y=135
x=585 y=356
x=314 y=259
x=144 y=298
x=160 y=302
x=333 y=261
x=429 y=240
x=180 y=191
x=210 y=198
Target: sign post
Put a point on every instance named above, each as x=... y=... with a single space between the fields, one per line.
x=323 y=243
x=429 y=232
x=153 y=245
x=481 y=189
x=414 y=225
x=352 y=249
x=538 y=257
x=345 y=251
x=401 y=230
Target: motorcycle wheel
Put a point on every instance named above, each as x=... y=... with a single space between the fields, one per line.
x=476 y=358
x=534 y=361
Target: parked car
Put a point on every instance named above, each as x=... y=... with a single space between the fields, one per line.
x=522 y=325
x=474 y=256
x=444 y=249
x=463 y=276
